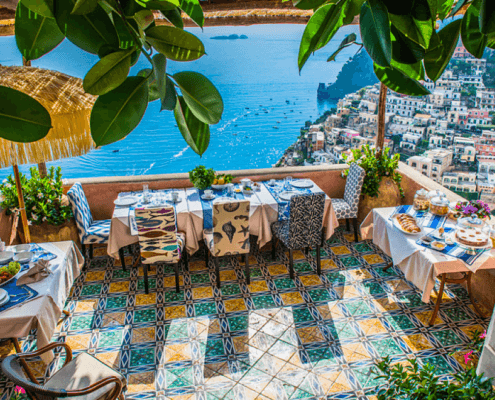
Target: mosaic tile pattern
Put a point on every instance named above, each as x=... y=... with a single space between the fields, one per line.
x=314 y=337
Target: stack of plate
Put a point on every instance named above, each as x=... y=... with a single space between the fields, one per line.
x=4 y=297
x=302 y=183
x=6 y=256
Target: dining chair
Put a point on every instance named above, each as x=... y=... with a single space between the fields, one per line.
x=159 y=240
x=347 y=208
x=229 y=234
x=90 y=231
x=303 y=229
x=83 y=377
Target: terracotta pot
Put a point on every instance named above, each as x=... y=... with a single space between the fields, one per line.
x=54 y=233
x=388 y=196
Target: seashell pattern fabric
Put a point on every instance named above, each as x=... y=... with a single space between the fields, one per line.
x=305 y=224
x=90 y=231
x=158 y=237
x=230 y=232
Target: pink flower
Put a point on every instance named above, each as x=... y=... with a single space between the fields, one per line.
x=483 y=335
x=20 y=390
x=466 y=357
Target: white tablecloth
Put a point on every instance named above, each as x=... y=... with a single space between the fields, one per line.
x=420 y=265
x=43 y=311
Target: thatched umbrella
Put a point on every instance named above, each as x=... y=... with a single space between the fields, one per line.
x=69 y=106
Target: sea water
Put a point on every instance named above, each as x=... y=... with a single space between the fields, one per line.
x=266 y=102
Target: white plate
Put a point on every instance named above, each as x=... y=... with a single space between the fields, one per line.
x=126 y=201
x=219 y=187
x=6 y=256
x=5 y=300
x=204 y=197
x=302 y=183
x=23 y=257
x=397 y=225
x=465 y=246
x=21 y=247
x=288 y=194
x=272 y=183
x=3 y=295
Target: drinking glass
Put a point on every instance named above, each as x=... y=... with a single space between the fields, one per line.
x=145 y=193
x=230 y=190
x=288 y=180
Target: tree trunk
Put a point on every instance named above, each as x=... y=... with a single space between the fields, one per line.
x=380 y=137
x=42 y=169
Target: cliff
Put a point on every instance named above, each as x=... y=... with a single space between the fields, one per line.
x=355 y=74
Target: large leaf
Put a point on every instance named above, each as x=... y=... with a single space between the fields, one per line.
x=195 y=132
x=161 y=5
x=126 y=39
x=160 y=68
x=414 y=71
x=399 y=82
x=437 y=59
x=201 y=96
x=41 y=7
x=35 y=35
x=375 y=31
x=472 y=38
x=108 y=73
x=153 y=93
x=321 y=27
x=418 y=25
x=458 y=6
x=89 y=31
x=194 y=10
x=174 y=17
x=84 y=6
x=22 y=118
x=352 y=9
x=175 y=44
x=348 y=41
x=170 y=99
x=405 y=51
x=118 y=112
x=308 y=4
x=444 y=7
x=487 y=17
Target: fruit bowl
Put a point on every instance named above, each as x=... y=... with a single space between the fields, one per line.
x=219 y=187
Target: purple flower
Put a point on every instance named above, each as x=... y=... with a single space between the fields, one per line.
x=469 y=209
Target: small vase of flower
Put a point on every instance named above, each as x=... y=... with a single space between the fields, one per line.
x=478 y=207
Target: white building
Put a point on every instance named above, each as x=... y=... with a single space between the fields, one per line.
x=460 y=181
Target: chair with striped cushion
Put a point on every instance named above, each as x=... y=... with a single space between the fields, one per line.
x=159 y=240
x=90 y=231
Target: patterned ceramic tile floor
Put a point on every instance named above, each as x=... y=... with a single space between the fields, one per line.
x=315 y=337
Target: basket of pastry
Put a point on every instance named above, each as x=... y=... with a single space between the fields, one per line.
x=406 y=223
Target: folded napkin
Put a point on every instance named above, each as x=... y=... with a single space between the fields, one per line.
x=38 y=272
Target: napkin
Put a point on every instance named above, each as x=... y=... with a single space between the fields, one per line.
x=38 y=272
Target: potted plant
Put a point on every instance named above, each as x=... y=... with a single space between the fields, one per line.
x=478 y=207
x=202 y=178
x=382 y=183
x=48 y=211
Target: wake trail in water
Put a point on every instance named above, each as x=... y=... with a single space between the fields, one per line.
x=180 y=153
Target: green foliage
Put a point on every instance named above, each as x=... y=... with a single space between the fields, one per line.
x=423 y=383
x=401 y=36
x=376 y=167
x=202 y=178
x=119 y=31
x=42 y=197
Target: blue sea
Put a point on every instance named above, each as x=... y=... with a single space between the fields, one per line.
x=260 y=85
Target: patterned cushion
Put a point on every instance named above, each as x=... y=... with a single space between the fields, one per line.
x=98 y=232
x=281 y=230
x=158 y=237
x=230 y=233
x=80 y=208
x=353 y=187
x=342 y=209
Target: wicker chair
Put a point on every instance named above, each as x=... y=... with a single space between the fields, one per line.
x=82 y=378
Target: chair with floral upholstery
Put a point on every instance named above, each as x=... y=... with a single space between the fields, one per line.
x=230 y=233
x=90 y=231
x=159 y=240
x=348 y=206
x=303 y=229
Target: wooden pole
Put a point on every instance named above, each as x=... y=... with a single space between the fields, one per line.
x=42 y=169
x=382 y=102
x=20 y=196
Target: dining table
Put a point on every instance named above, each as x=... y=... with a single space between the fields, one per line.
x=421 y=264
x=39 y=305
x=193 y=210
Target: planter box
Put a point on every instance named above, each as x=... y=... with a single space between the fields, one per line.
x=54 y=233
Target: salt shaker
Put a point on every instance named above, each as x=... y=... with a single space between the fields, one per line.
x=2 y=245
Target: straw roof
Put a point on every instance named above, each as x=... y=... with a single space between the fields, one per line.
x=69 y=107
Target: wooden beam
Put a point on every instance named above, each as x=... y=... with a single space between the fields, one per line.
x=20 y=196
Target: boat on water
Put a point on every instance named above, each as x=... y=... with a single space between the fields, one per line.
x=256 y=114
x=275 y=127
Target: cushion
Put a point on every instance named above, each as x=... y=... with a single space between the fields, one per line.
x=281 y=230
x=83 y=371
x=342 y=209
x=97 y=233
x=80 y=209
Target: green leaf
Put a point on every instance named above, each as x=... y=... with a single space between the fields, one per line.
x=174 y=17
x=108 y=73
x=144 y=18
x=89 y=31
x=399 y=82
x=22 y=118
x=458 y=6
x=160 y=5
x=153 y=93
x=194 y=10
x=414 y=71
x=170 y=99
x=348 y=41
x=159 y=69
x=195 y=132
x=118 y=112
x=41 y=7
x=416 y=26
x=443 y=8
x=437 y=59
x=126 y=40
x=308 y=4
x=35 y=35
x=472 y=38
x=175 y=44
x=352 y=9
x=201 y=96
x=321 y=27
x=487 y=17
x=405 y=51
x=375 y=31
x=84 y=6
